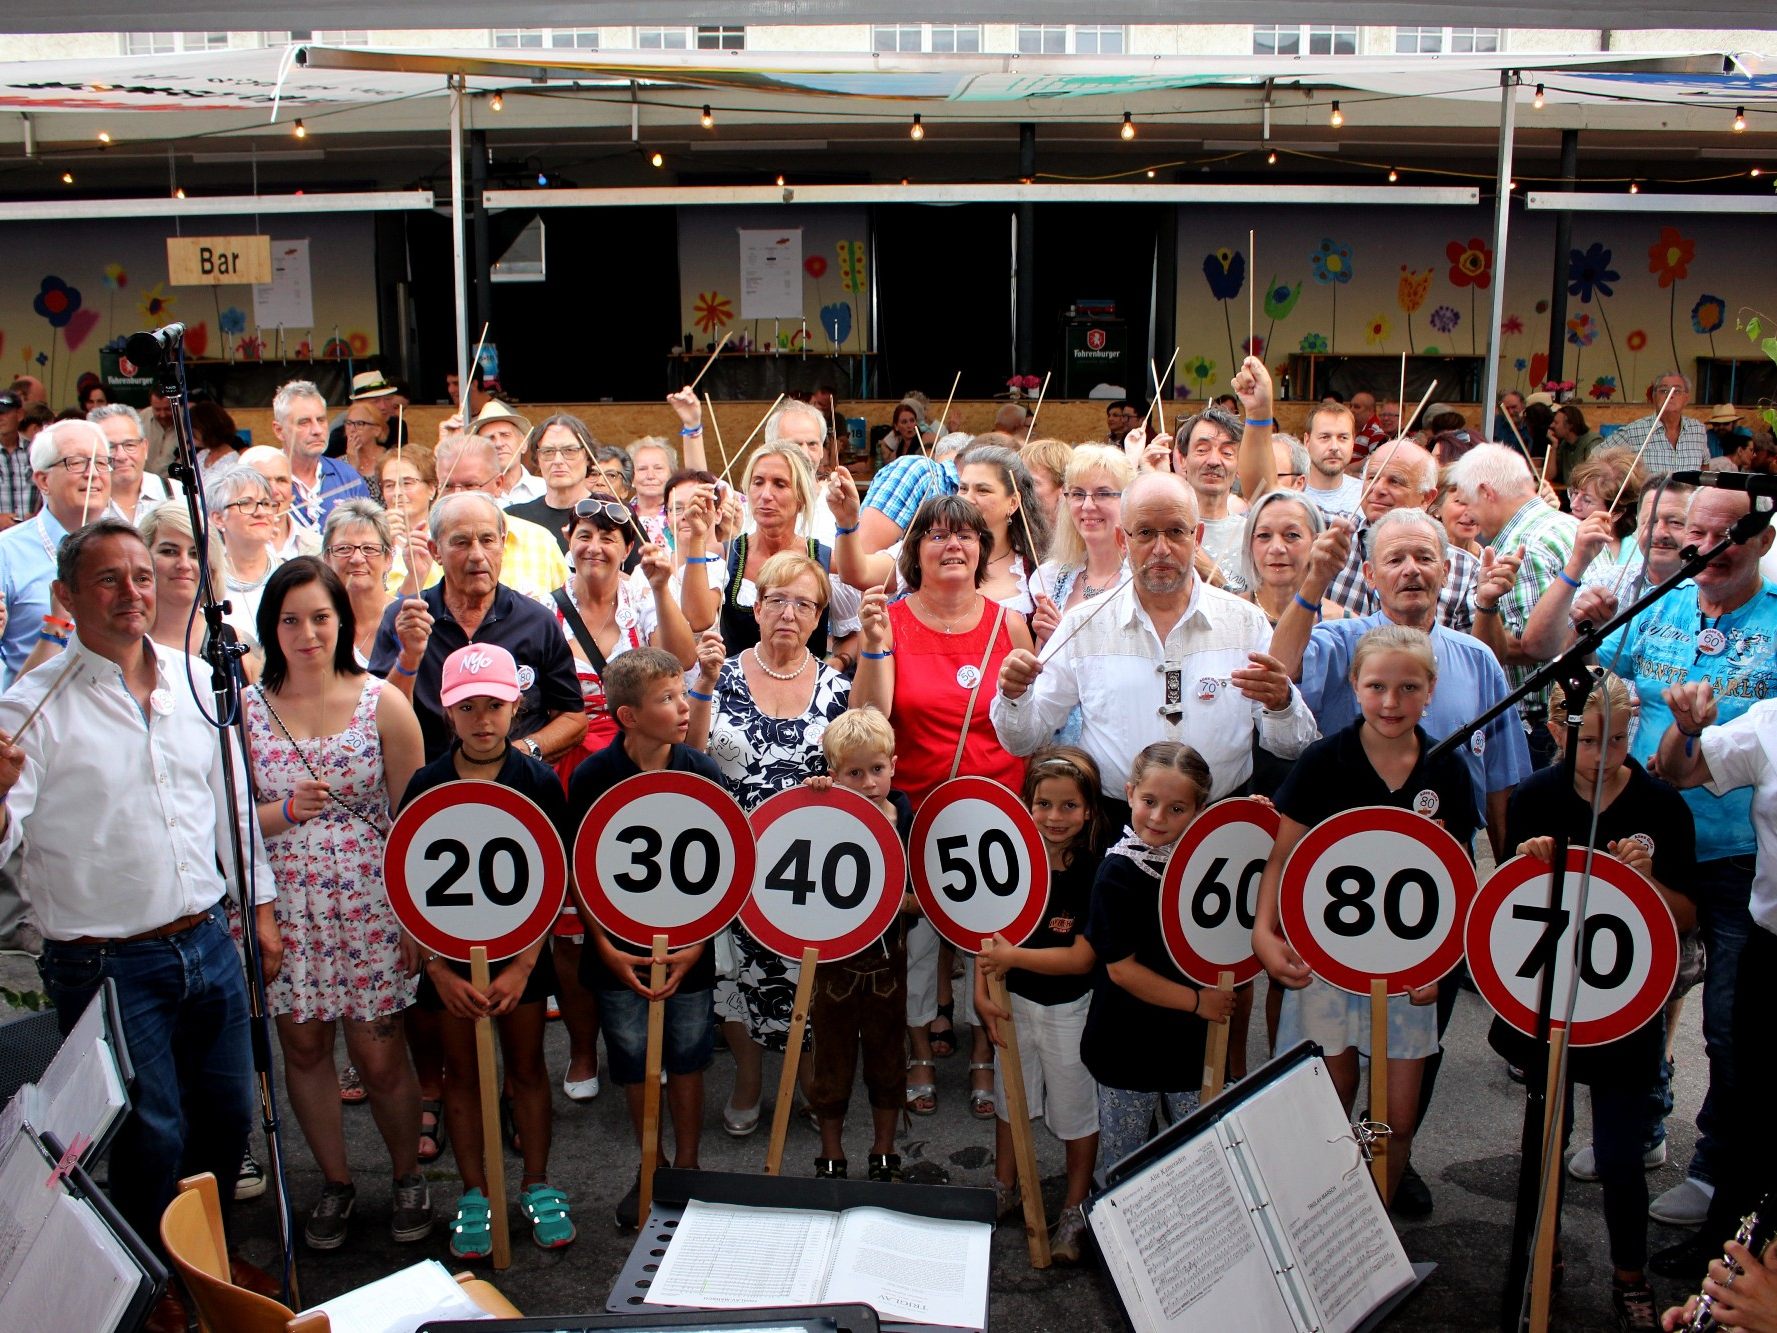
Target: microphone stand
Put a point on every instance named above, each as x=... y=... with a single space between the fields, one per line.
x=223 y=652
x=1574 y=673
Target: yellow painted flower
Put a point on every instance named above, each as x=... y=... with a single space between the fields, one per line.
x=1377 y=330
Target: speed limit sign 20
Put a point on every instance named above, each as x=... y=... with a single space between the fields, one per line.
x=664 y=853
x=1627 y=950
x=978 y=862
x=1377 y=893
x=1211 y=891
x=829 y=877
x=475 y=864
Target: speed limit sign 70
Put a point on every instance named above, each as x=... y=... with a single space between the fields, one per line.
x=979 y=865
x=1627 y=949
x=664 y=853
x=1377 y=893
x=829 y=877
x=475 y=864
x=1211 y=890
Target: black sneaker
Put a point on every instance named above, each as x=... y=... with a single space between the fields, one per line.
x=326 y=1229
x=249 y=1181
x=412 y=1218
x=1688 y=1261
x=885 y=1166
x=629 y=1207
x=1634 y=1306
x=1411 y=1197
x=830 y=1168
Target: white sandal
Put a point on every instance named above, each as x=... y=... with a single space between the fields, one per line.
x=926 y=1092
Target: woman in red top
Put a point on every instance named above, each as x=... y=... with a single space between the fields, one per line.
x=947 y=643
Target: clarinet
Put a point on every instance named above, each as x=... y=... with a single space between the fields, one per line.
x=1755 y=1233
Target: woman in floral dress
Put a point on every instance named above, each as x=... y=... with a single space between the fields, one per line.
x=331 y=751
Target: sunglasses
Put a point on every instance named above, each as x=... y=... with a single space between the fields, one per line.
x=607 y=508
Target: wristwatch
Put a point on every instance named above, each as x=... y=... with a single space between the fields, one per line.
x=531 y=747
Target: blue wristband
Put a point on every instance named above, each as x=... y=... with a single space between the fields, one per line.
x=699 y=696
x=845 y=532
x=1307 y=605
x=45 y=636
x=877 y=657
x=1572 y=583
x=691 y=430
x=701 y=559
x=1268 y=421
x=403 y=671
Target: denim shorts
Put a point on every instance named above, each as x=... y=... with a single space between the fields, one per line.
x=690 y=1034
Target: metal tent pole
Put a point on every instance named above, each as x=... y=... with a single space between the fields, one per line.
x=459 y=261
x=1508 y=114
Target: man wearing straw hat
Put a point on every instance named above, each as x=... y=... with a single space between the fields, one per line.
x=375 y=392
x=515 y=485
x=1726 y=435
x=299 y=419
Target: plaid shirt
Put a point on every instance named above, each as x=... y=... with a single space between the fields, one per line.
x=18 y=491
x=906 y=483
x=1547 y=538
x=1456 y=610
x=1662 y=455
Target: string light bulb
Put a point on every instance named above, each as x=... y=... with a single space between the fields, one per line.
x=1393 y=176
x=1739 y=120
x=1337 y=118
x=780 y=180
x=655 y=159
x=1757 y=172
x=67 y=178
x=1271 y=157
x=1128 y=130
x=1634 y=187
x=1150 y=173
x=179 y=193
x=918 y=131
x=1537 y=101
x=299 y=130
x=104 y=136
x=497 y=102
x=707 y=119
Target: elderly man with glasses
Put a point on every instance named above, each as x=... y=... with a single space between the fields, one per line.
x=532 y=562
x=134 y=491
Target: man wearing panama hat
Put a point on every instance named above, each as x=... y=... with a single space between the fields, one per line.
x=371 y=388
x=1726 y=435
x=508 y=430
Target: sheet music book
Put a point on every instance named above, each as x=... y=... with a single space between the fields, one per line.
x=81 y=1096
x=402 y=1301
x=1263 y=1219
x=910 y=1269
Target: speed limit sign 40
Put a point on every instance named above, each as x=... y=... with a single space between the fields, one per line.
x=475 y=864
x=1377 y=893
x=1211 y=890
x=829 y=875
x=664 y=853
x=1627 y=949
x=978 y=862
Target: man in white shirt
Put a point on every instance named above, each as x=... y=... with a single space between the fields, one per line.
x=1169 y=658
x=118 y=794
x=134 y=490
x=1330 y=435
x=508 y=431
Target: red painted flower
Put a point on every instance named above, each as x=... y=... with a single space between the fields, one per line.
x=816 y=265
x=1471 y=265
x=1670 y=257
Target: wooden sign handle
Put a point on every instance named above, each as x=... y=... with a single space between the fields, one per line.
x=786 y=1083
x=493 y=1148
x=651 y=1082
x=1215 y=1052
x=1024 y=1150
x=1379 y=1082
x=1542 y=1264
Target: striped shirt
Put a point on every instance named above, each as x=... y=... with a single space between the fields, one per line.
x=1547 y=538
x=1662 y=455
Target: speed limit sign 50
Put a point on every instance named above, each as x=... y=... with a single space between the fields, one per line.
x=475 y=864
x=829 y=877
x=1211 y=890
x=1377 y=893
x=1627 y=950
x=664 y=853
x=978 y=862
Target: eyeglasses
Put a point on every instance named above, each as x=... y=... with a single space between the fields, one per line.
x=253 y=506
x=362 y=425
x=458 y=487
x=82 y=464
x=558 y=450
x=775 y=604
x=406 y=483
x=609 y=508
x=369 y=550
x=1148 y=536
x=944 y=536
x=1102 y=496
x=134 y=442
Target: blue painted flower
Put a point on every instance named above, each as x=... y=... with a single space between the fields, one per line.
x=1589 y=272
x=1445 y=319
x=1312 y=342
x=1520 y=365
x=56 y=301
x=836 y=320
x=233 y=320
x=1709 y=314
x=1332 y=261
x=1226 y=272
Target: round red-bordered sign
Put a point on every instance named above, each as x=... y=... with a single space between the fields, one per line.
x=452 y=867
x=1211 y=890
x=1631 y=947
x=978 y=863
x=829 y=874
x=1377 y=893
x=664 y=853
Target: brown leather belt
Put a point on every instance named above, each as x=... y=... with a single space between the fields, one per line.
x=178 y=927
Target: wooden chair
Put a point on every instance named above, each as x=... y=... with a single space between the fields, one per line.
x=191 y=1231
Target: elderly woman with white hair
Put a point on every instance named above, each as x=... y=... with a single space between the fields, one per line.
x=243 y=506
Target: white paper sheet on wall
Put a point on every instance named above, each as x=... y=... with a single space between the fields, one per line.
x=771 y=273
x=288 y=300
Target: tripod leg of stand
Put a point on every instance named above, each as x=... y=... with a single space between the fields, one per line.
x=651 y=1080
x=786 y=1084
x=1215 y=1053
x=1543 y=1262
x=493 y=1147
x=1024 y=1151
x=1379 y=1082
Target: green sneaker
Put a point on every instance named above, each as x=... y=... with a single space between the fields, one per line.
x=546 y=1208
x=472 y=1234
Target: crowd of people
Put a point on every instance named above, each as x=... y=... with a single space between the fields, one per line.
x=1123 y=630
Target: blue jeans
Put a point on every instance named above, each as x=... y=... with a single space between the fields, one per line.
x=689 y=1036
x=1722 y=889
x=184 y=1015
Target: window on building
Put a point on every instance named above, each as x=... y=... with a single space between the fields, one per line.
x=955 y=37
x=722 y=39
x=1098 y=39
x=1303 y=39
x=167 y=43
x=1053 y=39
x=926 y=37
x=1454 y=41
x=895 y=37
x=1042 y=39
x=663 y=39
x=538 y=39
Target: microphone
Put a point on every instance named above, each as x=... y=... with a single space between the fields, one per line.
x=147 y=350
x=1754 y=483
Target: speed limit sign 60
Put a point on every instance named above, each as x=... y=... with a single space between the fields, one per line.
x=1627 y=949
x=475 y=864
x=664 y=853
x=829 y=875
x=1377 y=893
x=1211 y=890
x=979 y=865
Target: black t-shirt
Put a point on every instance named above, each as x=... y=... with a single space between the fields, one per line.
x=557 y=522
x=1064 y=920
x=1334 y=775
x=1129 y=1043
x=1543 y=805
x=740 y=625
x=524 y=628
x=596 y=775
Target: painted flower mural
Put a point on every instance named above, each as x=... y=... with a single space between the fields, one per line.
x=1280 y=299
x=1313 y=343
x=1378 y=328
x=712 y=311
x=1603 y=389
x=1669 y=258
x=1332 y=268
x=1511 y=326
x=1410 y=293
x=1445 y=319
x=1200 y=370
x=1590 y=277
x=56 y=301
x=1471 y=266
x=1708 y=315
x=1225 y=271
x=1581 y=331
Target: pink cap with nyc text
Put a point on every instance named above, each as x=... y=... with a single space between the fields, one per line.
x=479 y=671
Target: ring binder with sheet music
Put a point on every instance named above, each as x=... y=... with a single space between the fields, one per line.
x=1253 y=1213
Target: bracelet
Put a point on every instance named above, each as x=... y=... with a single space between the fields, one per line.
x=691 y=430
x=289 y=814
x=877 y=657
x=845 y=532
x=699 y=695
x=1682 y=732
x=1570 y=582
x=403 y=671
x=1307 y=605
x=59 y=622
x=1486 y=610
x=46 y=636
x=701 y=559
x=1268 y=421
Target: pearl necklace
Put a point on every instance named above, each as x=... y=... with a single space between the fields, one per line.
x=801 y=666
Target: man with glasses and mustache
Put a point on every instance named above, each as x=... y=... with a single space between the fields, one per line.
x=1169 y=658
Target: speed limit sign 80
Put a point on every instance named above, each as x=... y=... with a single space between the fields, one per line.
x=1211 y=890
x=474 y=864
x=829 y=877
x=1377 y=893
x=979 y=865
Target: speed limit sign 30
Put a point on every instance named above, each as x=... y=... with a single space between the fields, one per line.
x=829 y=874
x=978 y=862
x=474 y=864
x=1211 y=891
x=1377 y=893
